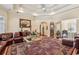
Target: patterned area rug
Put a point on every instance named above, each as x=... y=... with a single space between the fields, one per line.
x=17 y=49
x=41 y=47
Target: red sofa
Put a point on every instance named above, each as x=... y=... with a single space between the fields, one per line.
x=6 y=39
x=67 y=42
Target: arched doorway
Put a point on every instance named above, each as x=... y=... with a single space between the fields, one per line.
x=43 y=28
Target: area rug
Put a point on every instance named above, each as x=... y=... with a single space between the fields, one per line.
x=41 y=47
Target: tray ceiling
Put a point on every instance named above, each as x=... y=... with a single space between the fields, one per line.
x=41 y=9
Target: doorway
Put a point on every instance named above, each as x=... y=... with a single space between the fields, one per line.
x=43 y=28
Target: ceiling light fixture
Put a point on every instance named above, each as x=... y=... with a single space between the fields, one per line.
x=43 y=6
x=51 y=13
x=20 y=10
x=35 y=14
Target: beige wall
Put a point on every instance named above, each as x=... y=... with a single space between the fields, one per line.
x=13 y=22
x=37 y=26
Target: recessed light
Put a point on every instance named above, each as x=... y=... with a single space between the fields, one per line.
x=51 y=13
x=43 y=8
x=35 y=14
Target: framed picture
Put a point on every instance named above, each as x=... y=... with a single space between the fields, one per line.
x=25 y=23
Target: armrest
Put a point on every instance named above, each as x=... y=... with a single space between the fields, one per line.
x=74 y=52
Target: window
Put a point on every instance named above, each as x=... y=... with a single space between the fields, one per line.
x=2 y=25
x=70 y=26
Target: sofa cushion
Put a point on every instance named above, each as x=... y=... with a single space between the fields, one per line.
x=25 y=33
x=18 y=34
x=18 y=40
x=10 y=35
x=4 y=37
